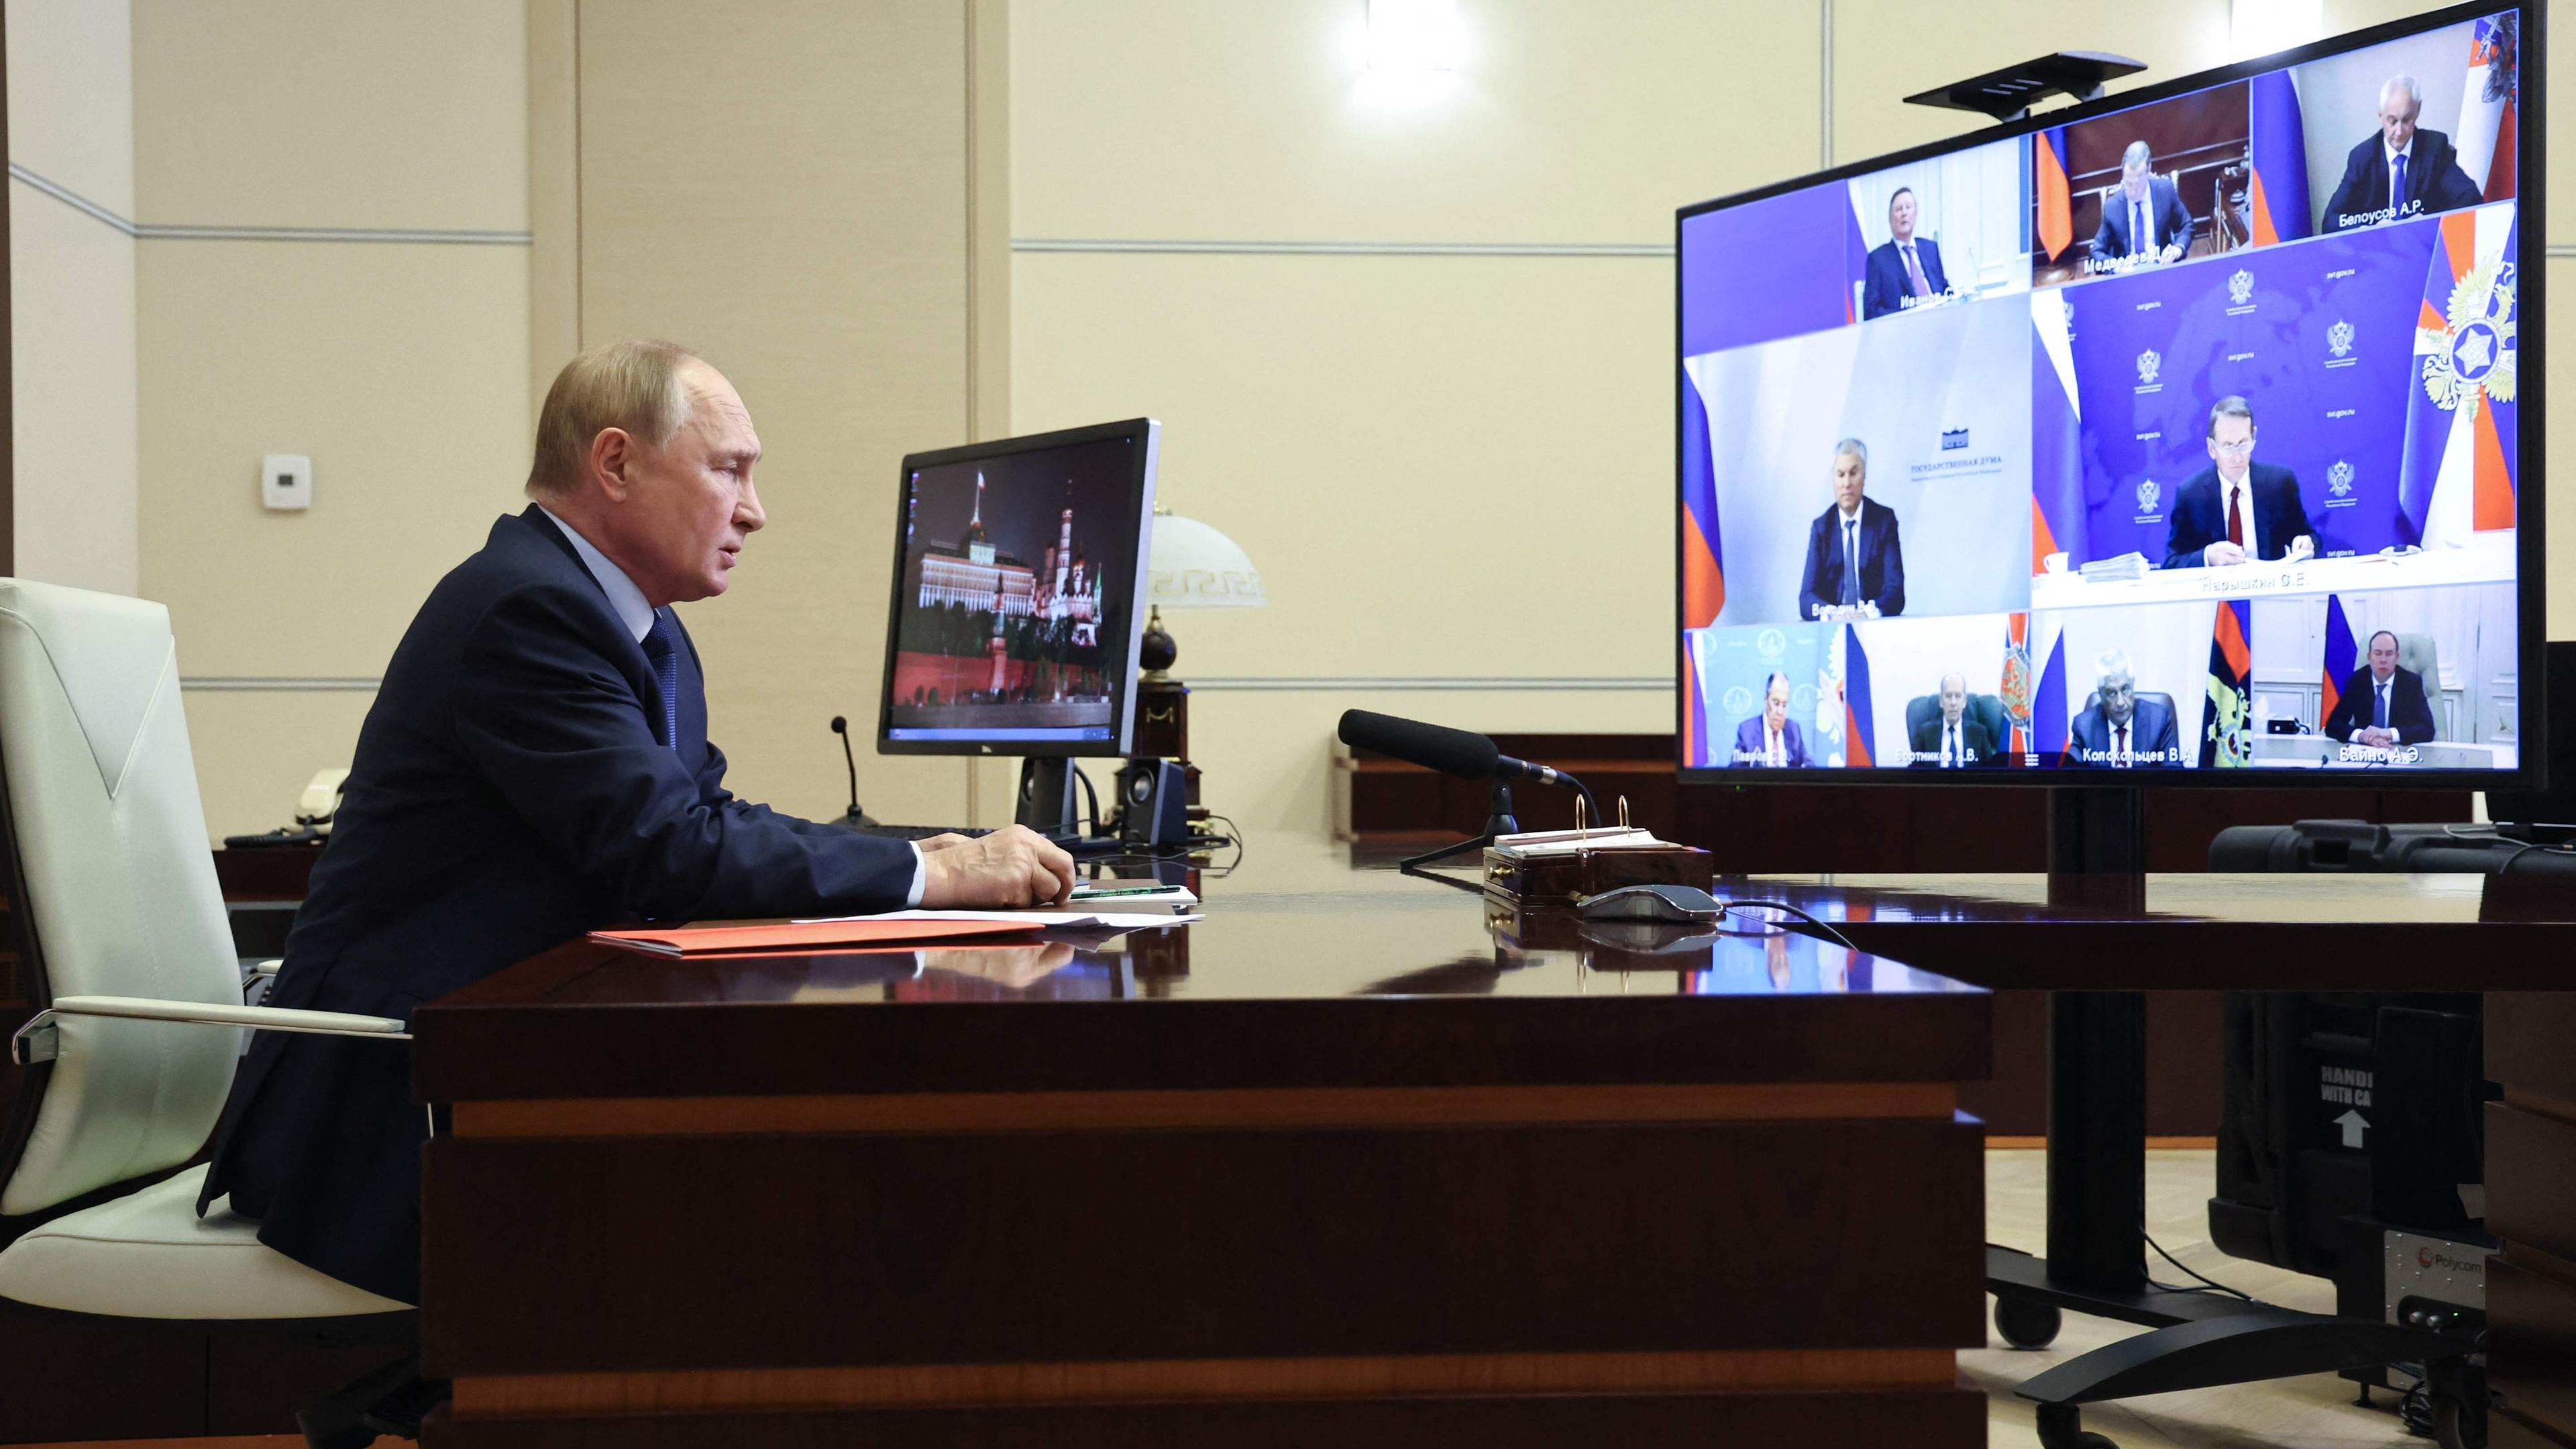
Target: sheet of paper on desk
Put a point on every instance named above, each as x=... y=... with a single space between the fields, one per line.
x=1070 y=920
x=1537 y=843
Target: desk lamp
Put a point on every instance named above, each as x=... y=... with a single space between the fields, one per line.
x=1190 y=566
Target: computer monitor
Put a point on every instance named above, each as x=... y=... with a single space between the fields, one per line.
x=1019 y=566
x=2147 y=434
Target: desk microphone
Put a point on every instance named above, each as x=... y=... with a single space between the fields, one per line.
x=1462 y=753
x=855 y=815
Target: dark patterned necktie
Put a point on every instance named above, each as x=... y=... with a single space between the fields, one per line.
x=661 y=650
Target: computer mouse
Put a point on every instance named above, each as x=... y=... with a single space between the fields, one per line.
x=1679 y=904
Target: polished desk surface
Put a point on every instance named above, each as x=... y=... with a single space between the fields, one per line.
x=2206 y=932
x=1308 y=969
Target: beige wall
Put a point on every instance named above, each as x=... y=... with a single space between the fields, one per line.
x=71 y=288
x=1454 y=471
x=368 y=307
x=788 y=193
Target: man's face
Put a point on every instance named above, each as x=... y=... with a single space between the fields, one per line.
x=1848 y=469
x=2231 y=445
x=1900 y=215
x=2383 y=656
x=1954 y=698
x=1775 y=704
x=2133 y=177
x=2396 y=119
x=2119 y=698
x=690 y=504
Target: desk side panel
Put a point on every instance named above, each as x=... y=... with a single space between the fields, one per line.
x=557 y=1256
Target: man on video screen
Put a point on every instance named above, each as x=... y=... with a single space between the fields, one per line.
x=1951 y=740
x=2143 y=216
x=2382 y=705
x=2402 y=171
x=1905 y=271
x=2236 y=510
x=1855 y=566
x=2120 y=731
x=1770 y=740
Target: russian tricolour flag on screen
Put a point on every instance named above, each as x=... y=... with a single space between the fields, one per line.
x=2278 y=143
x=2056 y=434
x=1703 y=555
x=2456 y=475
x=2339 y=662
x=1847 y=676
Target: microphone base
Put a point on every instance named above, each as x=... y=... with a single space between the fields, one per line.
x=1498 y=822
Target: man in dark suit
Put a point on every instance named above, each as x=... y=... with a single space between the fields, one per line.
x=2236 y=510
x=2382 y=705
x=1906 y=270
x=1950 y=740
x=1854 y=559
x=2402 y=171
x=2120 y=731
x=2143 y=216
x=536 y=766
x=1771 y=740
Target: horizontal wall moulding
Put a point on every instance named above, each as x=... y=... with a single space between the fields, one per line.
x=254 y=683
x=1347 y=248
x=149 y=231
x=1331 y=683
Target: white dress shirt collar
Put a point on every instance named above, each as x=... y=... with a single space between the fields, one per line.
x=623 y=596
x=2388 y=154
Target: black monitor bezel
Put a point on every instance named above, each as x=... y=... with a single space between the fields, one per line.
x=2531 y=544
x=1148 y=435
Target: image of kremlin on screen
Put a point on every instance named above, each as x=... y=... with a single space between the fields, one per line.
x=1003 y=625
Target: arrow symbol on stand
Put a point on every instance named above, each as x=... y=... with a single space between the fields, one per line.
x=2353 y=1124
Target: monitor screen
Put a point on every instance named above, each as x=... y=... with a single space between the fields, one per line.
x=1017 y=573
x=2178 y=431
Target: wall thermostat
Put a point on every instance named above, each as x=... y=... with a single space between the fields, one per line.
x=286 y=481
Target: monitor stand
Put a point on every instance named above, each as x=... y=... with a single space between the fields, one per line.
x=1046 y=803
x=2097 y=1140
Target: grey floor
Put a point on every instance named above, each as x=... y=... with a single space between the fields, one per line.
x=2317 y=1411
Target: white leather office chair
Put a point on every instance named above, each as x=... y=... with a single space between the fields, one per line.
x=129 y=955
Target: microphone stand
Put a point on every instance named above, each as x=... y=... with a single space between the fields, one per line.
x=1498 y=822
x=854 y=817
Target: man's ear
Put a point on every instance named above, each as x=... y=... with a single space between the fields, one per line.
x=611 y=451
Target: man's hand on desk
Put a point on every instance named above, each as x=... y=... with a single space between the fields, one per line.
x=1013 y=866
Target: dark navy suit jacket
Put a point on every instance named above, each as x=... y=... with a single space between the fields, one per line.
x=1748 y=741
x=510 y=791
x=1887 y=286
x=2154 y=742
x=2170 y=218
x=1882 y=560
x=2410 y=713
x=2199 y=516
x=2434 y=182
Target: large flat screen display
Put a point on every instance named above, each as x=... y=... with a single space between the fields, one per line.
x=2192 y=431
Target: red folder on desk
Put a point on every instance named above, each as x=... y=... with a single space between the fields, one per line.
x=794 y=936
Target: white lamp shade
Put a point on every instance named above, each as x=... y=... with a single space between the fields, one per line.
x=1195 y=567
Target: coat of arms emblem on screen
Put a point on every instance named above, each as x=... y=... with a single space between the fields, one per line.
x=2472 y=355
x=2240 y=288
x=1772 y=643
x=2339 y=479
x=2148 y=493
x=2148 y=365
x=2339 y=339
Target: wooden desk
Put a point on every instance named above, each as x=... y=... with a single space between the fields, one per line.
x=1338 y=1165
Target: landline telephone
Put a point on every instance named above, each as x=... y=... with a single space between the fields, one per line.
x=314 y=811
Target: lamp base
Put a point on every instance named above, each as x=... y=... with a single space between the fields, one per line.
x=1162 y=717
x=1156 y=651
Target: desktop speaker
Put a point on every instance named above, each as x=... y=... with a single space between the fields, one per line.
x=1153 y=803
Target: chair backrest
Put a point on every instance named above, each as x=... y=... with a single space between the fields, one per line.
x=2419 y=653
x=118 y=892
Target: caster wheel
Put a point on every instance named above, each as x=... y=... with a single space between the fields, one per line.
x=2060 y=1428
x=2458 y=1426
x=2026 y=1325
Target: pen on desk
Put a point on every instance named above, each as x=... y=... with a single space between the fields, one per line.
x=1090 y=894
